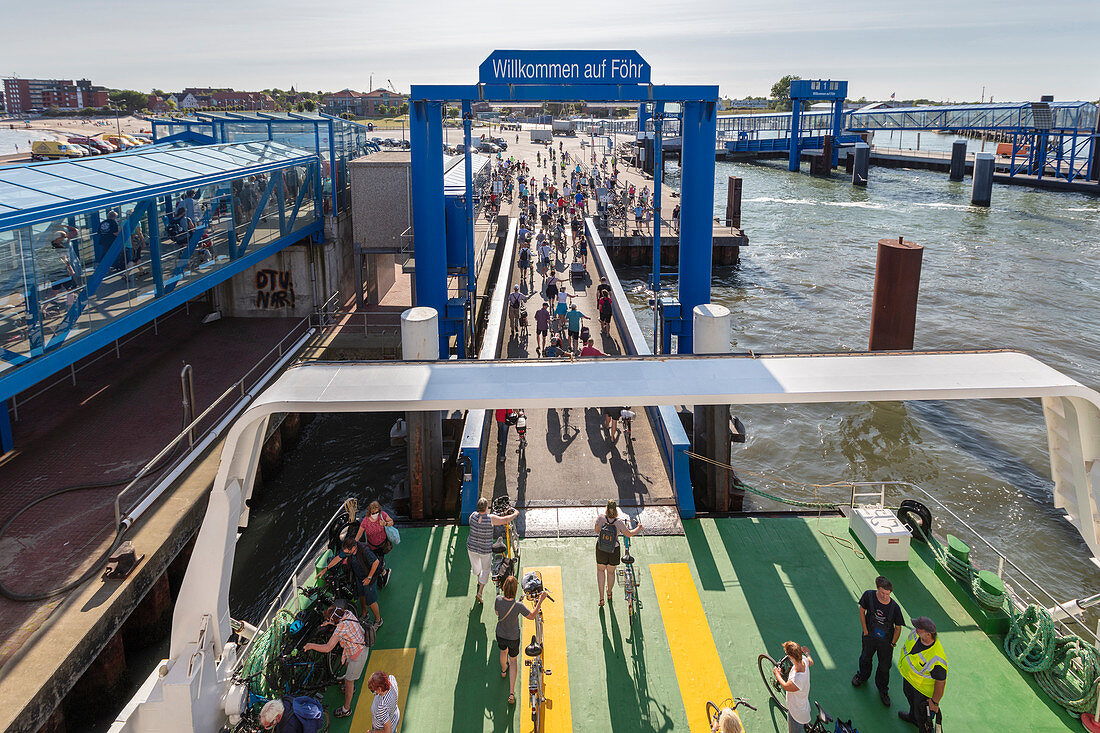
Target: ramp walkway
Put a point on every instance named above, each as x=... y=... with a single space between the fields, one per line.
x=570 y=467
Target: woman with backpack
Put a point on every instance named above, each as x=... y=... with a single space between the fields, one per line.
x=609 y=526
x=605 y=310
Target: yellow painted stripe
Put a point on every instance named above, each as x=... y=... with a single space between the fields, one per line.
x=557 y=716
x=399 y=663
x=698 y=668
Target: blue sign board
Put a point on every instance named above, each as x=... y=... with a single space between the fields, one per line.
x=819 y=89
x=564 y=67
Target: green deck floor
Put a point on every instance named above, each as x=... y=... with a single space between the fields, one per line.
x=761 y=580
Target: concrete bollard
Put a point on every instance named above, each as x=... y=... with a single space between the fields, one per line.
x=861 y=164
x=712 y=329
x=897 y=283
x=420 y=342
x=958 y=160
x=982 y=192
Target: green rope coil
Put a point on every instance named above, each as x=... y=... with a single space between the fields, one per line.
x=1071 y=680
x=260 y=664
x=1029 y=642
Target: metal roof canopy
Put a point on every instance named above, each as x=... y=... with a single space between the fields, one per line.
x=1072 y=413
x=36 y=192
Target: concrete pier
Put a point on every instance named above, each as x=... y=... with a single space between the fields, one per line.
x=958 y=160
x=982 y=192
x=711 y=437
x=420 y=342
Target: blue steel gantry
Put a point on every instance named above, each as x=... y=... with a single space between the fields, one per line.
x=517 y=77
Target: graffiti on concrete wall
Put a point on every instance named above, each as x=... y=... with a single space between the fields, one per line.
x=274 y=289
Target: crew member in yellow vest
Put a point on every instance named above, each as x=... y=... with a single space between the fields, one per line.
x=923 y=666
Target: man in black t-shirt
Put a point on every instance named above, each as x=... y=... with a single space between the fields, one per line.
x=881 y=619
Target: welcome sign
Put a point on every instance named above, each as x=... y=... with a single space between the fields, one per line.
x=564 y=67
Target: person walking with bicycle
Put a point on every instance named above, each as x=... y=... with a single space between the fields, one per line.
x=349 y=635
x=609 y=525
x=881 y=619
x=516 y=299
x=479 y=543
x=797 y=686
x=508 y=611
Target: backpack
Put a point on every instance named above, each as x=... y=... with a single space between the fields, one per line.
x=605 y=306
x=307 y=709
x=608 y=538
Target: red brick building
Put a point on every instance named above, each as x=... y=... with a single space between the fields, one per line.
x=26 y=95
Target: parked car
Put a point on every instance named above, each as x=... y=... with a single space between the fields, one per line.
x=55 y=149
x=499 y=141
x=98 y=146
x=487 y=147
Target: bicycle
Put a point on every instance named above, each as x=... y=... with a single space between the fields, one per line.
x=521 y=419
x=715 y=711
x=505 y=549
x=766 y=664
x=629 y=580
x=536 y=686
x=627 y=418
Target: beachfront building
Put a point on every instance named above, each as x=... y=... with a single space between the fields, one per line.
x=31 y=95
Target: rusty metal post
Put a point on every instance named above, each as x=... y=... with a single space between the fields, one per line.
x=897 y=282
x=733 y=202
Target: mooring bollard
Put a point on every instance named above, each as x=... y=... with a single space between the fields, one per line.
x=861 y=165
x=982 y=192
x=958 y=160
x=897 y=283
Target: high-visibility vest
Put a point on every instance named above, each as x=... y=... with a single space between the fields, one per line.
x=916 y=669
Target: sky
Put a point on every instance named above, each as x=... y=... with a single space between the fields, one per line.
x=937 y=49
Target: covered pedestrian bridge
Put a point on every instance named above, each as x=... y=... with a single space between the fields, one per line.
x=71 y=283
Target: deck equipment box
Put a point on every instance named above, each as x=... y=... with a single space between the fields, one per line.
x=882 y=535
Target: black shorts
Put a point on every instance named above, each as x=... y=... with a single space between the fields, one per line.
x=509 y=645
x=542 y=329
x=613 y=412
x=574 y=334
x=605 y=318
x=609 y=558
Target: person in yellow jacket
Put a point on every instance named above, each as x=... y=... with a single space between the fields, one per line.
x=923 y=666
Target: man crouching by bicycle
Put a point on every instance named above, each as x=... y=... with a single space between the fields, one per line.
x=364 y=566
x=349 y=635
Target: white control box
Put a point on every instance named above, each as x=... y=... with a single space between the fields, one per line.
x=881 y=533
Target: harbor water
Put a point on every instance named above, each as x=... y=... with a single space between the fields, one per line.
x=1021 y=274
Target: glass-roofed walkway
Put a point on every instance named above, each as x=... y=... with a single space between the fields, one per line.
x=94 y=248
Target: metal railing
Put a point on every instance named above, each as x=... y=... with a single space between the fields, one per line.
x=203 y=425
x=1021 y=588
x=289 y=591
x=389 y=336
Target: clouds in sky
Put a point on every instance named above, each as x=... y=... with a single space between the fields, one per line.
x=940 y=49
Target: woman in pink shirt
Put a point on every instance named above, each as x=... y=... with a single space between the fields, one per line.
x=372 y=531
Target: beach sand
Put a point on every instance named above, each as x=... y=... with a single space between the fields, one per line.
x=59 y=128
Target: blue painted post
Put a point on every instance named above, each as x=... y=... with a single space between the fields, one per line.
x=154 y=247
x=643 y=116
x=699 y=128
x=471 y=274
x=796 y=128
x=838 y=119
x=658 y=174
x=429 y=230
x=7 y=442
